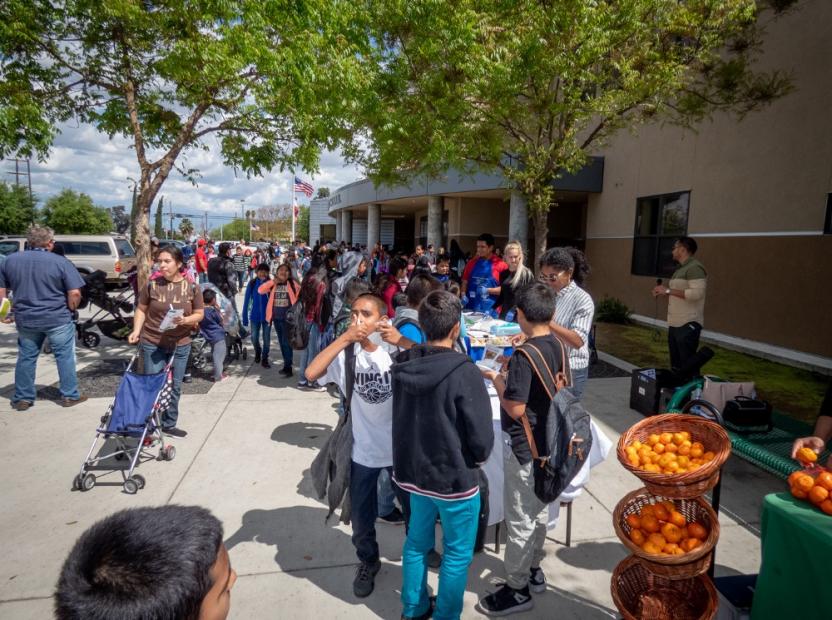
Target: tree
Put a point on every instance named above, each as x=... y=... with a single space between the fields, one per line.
x=121 y=221
x=254 y=77
x=134 y=215
x=323 y=192
x=533 y=88
x=158 y=226
x=302 y=225
x=234 y=230
x=73 y=213
x=186 y=227
x=17 y=210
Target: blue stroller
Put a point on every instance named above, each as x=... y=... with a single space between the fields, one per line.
x=133 y=422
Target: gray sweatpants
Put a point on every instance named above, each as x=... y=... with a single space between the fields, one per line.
x=526 y=520
x=218 y=351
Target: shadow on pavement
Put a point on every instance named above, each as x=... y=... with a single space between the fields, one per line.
x=302 y=434
x=593 y=555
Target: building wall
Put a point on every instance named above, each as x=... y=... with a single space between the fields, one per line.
x=318 y=216
x=758 y=188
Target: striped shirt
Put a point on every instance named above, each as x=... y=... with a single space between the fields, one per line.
x=574 y=310
x=241 y=262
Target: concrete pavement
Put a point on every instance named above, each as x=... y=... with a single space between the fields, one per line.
x=251 y=441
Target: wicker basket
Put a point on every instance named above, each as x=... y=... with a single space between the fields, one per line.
x=674 y=567
x=640 y=595
x=689 y=484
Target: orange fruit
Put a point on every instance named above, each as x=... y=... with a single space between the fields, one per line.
x=804 y=482
x=825 y=480
x=666 y=438
x=678 y=438
x=650 y=524
x=652 y=548
x=658 y=540
x=708 y=457
x=671 y=448
x=696 y=452
x=672 y=533
x=799 y=493
x=684 y=449
x=697 y=530
x=689 y=544
x=634 y=521
x=671 y=548
x=637 y=444
x=637 y=536
x=661 y=512
x=669 y=506
x=647 y=509
x=652 y=467
x=678 y=519
x=683 y=461
x=658 y=448
x=818 y=495
x=653 y=439
x=807 y=455
x=794 y=476
x=826 y=506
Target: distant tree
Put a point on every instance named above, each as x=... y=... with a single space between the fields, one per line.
x=186 y=227
x=73 y=213
x=234 y=230
x=323 y=192
x=302 y=225
x=121 y=220
x=17 y=210
x=158 y=226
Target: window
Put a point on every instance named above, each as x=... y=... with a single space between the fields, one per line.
x=84 y=248
x=827 y=225
x=125 y=250
x=8 y=247
x=660 y=220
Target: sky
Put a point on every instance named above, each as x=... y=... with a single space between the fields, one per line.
x=87 y=161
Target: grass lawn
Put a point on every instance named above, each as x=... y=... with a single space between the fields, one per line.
x=795 y=392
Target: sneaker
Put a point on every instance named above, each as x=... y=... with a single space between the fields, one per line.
x=303 y=384
x=427 y=614
x=286 y=372
x=174 y=431
x=265 y=363
x=71 y=402
x=365 y=578
x=316 y=387
x=256 y=358
x=506 y=601
x=222 y=378
x=434 y=559
x=21 y=405
x=395 y=517
x=537 y=580
x=187 y=378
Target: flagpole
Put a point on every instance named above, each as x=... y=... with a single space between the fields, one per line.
x=292 y=207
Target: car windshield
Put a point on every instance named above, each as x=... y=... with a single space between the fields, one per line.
x=8 y=247
x=125 y=250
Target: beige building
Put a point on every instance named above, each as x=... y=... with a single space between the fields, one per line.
x=756 y=194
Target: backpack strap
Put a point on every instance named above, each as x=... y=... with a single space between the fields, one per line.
x=349 y=375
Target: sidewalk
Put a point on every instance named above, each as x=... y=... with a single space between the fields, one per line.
x=251 y=441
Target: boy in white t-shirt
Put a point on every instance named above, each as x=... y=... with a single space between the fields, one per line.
x=371 y=407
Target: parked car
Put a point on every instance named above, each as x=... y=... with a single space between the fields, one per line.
x=112 y=254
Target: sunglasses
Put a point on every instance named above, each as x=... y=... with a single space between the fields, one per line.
x=550 y=278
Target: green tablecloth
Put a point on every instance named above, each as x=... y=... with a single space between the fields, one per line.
x=796 y=574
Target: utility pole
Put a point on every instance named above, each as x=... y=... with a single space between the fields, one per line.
x=205 y=226
x=17 y=174
x=170 y=211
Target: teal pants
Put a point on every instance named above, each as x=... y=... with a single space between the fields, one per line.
x=459 y=531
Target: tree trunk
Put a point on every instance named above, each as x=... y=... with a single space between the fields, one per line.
x=540 y=219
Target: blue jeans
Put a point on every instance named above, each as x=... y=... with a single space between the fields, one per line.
x=281 y=328
x=311 y=350
x=241 y=279
x=364 y=499
x=579 y=378
x=203 y=277
x=29 y=343
x=155 y=358
x=385 y=493
x=459 y=531
x=258 y=327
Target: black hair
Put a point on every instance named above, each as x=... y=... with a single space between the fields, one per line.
x=355 y=286
x=264 y=267
x=331 y=255
x=208 y=296
x=559 y=258
x=381 y=305
x=175 y=253
x=537 y=301
x=689 y=243
x=438 y=314
x=453 y=287
x=396 y=265
x=224 y=248
x=309 y=287
x=141 y=563
x=398 y=300
x=488 y=238
x=420 y=286
x=443 y=258
x=582 y=269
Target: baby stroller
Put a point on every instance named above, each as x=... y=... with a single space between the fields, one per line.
x=234 y=333
x=132 y=421
x=109 y=318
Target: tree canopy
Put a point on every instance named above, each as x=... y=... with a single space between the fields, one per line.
x=74 y=213
x=17 y=210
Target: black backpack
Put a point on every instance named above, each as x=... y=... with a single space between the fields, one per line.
x=568 y=430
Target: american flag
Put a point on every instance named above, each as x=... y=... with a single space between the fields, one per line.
x=303 y=186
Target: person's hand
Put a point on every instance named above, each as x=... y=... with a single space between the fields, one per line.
x=133 y=338
x=487 y=374
x=389 y=334
x=179 y=320
x=658 y=290
x=517 y=340
x=357 y=332
x=814 y=443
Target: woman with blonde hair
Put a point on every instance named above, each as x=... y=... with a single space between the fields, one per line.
x=512 y=279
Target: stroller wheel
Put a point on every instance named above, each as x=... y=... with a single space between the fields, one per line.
x=77 y=482
x=87 y=482
x=139 y=480
x=131 y=487
x=245 y=353
x=169 y=453
x=90 y=340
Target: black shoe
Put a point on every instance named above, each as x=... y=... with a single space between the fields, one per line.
x=256 y=358
x=265 y=363
x=71 y=402
x=365 y=578
x=21 y=405
x=287 y=372
x=394 y=518
x=506 y=601
x=427 y=614
x=434 y=559
x=537 y=580
x=187 y=378
x=173 y=431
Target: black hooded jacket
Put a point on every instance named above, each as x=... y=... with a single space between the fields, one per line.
x=442 y=426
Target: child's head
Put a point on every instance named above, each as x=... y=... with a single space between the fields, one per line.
x=399 y=300
x=208 y=297
x=535 y=305
x=263 y=271
x=443 y=265
x=419 y=287
x=354 y=288
x=161 y=562
x=368 y=309
x=453 y=288
x=439 y=316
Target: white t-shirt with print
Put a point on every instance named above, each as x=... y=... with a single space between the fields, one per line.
x=372 y=404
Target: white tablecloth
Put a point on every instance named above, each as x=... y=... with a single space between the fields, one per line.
x=493 y=467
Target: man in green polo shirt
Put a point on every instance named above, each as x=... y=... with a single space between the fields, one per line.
x=685 y=302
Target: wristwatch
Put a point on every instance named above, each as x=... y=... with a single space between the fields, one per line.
x=667 y=291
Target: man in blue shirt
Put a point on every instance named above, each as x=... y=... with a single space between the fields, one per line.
x=481 y=277
x=47 y=289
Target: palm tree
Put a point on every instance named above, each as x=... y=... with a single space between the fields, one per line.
x=186 y=227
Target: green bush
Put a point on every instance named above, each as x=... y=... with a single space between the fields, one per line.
x=612 y=310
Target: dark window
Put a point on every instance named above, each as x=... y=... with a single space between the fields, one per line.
x=84 y=248
x=9 y=247
x=827 y=225
x=125 y=250
x=660 y=220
